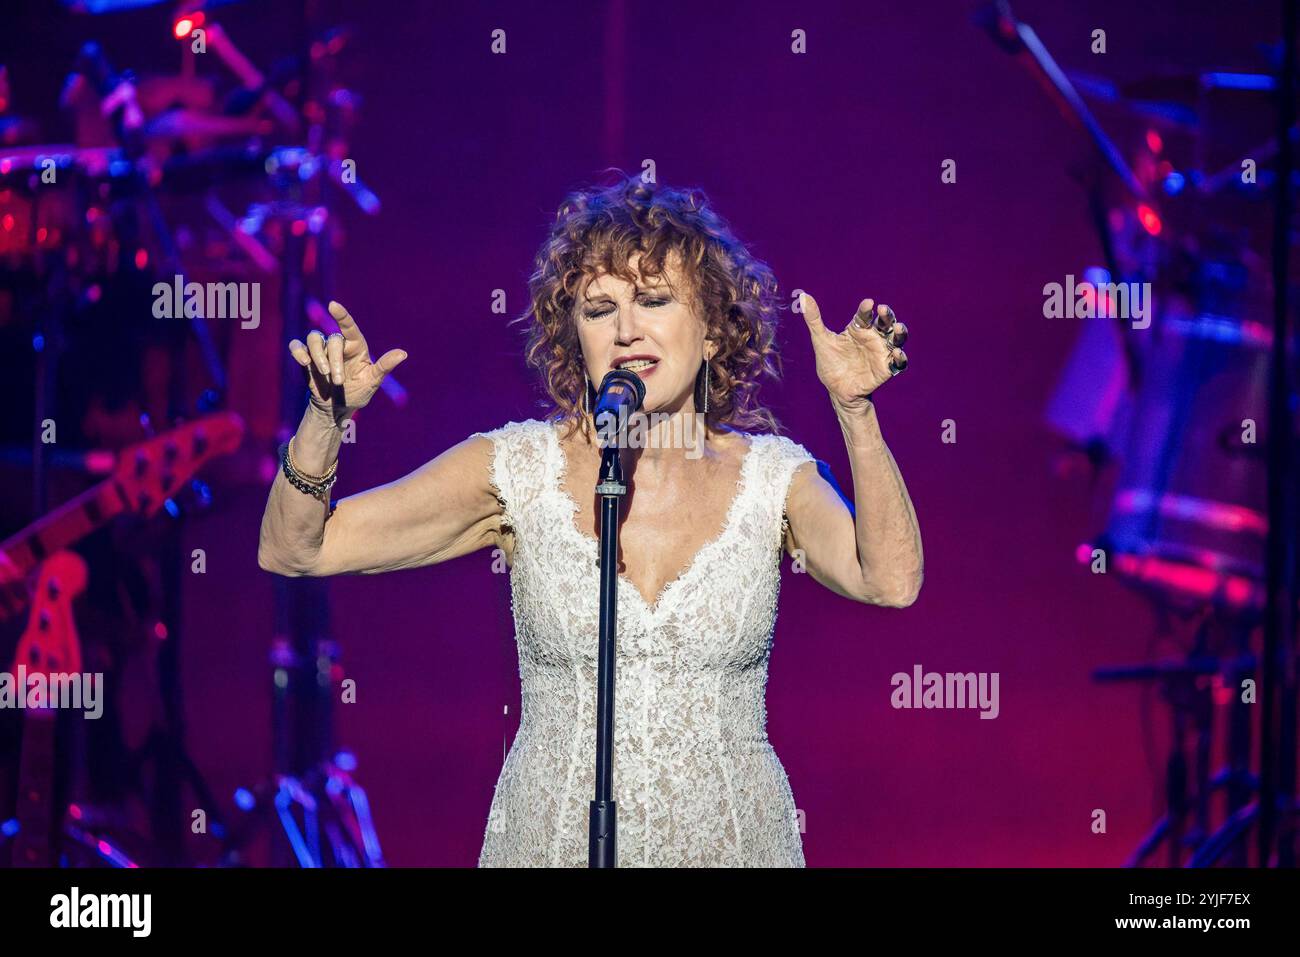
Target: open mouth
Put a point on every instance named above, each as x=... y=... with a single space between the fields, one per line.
x=641 y=366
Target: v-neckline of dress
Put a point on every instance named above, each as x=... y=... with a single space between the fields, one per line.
x=592 y=545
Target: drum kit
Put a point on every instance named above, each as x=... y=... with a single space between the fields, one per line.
x=144 y=193
x=1181 y=409
x=1178 y=415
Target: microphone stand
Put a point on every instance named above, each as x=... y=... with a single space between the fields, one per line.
x=602 y=846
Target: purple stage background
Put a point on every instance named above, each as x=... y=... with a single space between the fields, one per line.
x=829 y=164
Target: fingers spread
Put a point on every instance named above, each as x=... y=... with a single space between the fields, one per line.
x=884 y=318
x=899 y=334
x=897 y=361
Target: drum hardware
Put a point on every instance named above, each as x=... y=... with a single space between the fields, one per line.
x=155 y=140
x=1181 y=411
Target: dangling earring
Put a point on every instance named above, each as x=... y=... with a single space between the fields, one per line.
x=706 y=386
x=586 y=388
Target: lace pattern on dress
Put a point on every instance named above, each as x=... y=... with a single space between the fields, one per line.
x=696 y=780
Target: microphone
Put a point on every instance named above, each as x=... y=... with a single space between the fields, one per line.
x=620 y=394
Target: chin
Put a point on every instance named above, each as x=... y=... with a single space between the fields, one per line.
x=660 y=398
x=654 y=401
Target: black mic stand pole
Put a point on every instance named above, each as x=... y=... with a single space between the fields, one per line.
x=602 y=844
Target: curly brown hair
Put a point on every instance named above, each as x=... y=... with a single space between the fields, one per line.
x=599 y=229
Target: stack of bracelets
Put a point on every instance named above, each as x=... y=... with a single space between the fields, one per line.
x=314 y=485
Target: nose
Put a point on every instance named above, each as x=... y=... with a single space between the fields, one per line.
x=627 y=329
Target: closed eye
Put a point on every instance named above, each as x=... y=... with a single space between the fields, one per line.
x=654 y=302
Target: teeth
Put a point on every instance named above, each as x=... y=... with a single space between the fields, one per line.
x=637 y=365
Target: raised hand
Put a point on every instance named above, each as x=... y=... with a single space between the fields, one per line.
x=854 y=363
x=340 y=375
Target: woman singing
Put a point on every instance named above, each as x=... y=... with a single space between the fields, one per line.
x=648 y=279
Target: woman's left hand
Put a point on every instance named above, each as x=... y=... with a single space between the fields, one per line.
x=854 y=363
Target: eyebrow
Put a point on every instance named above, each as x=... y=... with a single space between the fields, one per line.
x=655 y=288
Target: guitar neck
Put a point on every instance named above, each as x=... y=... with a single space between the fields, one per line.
x=68 y=523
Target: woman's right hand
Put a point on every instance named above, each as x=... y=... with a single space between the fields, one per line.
x=340 y=375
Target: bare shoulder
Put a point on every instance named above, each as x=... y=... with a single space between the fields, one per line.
x=573 y=439
x=814 y=498
x=459 y=475
x=732 y=445
x=466 y=477
x=441 y=510
x=469 y=453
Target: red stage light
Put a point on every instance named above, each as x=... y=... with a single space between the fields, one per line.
x=141 y=258
x=1150 y=221
x=186 y=24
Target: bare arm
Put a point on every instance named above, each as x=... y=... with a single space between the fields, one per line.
x=443 y=509
x=871 y=550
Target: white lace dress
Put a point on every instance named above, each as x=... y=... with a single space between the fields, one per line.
x=697 y=783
